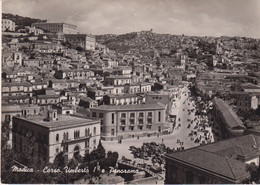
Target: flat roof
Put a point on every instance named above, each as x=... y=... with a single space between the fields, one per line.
x=122 y=95
x=138 y=107
x=11 y=108
x=52 y=23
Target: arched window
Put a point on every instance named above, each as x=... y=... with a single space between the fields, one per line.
x=57 y=138
x=94 y=130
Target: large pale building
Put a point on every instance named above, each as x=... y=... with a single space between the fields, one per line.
x=8 y=25
x=56 y=27
x=87 y=42
x=54 y=134
x=122 y=121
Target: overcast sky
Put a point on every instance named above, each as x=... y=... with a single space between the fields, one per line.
x=189 y=17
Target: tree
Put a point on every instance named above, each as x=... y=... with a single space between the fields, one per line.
x=26 y=40
x=254 y=172
x=86 y=158
x=60 y=160
x=79 y=49
x=99 y=153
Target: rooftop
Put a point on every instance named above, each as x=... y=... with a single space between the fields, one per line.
x=220 y=158
x=229 y=115
x=122 y=95
x=139 y=107
x=63 y=121
x=11 y=108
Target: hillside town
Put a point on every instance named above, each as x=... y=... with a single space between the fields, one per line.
x=171 y=108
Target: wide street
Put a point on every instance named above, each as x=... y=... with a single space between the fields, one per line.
x=181 y=132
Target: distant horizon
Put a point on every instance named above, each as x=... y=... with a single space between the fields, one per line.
x=140 y=30
x=200 y=18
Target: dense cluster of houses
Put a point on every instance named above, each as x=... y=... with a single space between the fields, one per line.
x=68 y=90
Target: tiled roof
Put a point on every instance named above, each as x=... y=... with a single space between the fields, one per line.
x=11 y=84
x=230 y=116
x=47 y=96
x=221 y=158
x=17 y=97
x=62 y=122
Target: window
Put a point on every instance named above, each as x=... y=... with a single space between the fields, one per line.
x=76 y=134
x=7 y=118
x=123 y=115
x=95 y=130
x=113 y=118
x=159 y=116
x=141 y=114
x=123 y=122
x=66 y=148
x=57 y=138
x=87 y=132
x=87 y=144
x=94 y=114
x=150 y=114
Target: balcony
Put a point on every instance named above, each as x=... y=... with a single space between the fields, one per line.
x=71 y=141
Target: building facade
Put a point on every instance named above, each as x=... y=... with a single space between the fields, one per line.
x=56 y=27
x=8 y=25
x=122 y=121
x=87 y=42
x=55 y=134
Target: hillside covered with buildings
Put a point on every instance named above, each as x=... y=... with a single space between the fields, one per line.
x=71 y=97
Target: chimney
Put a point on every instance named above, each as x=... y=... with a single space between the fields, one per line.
x=52 y=115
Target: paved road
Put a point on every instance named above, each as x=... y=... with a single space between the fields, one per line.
x=181 y=107
x=168 y=140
